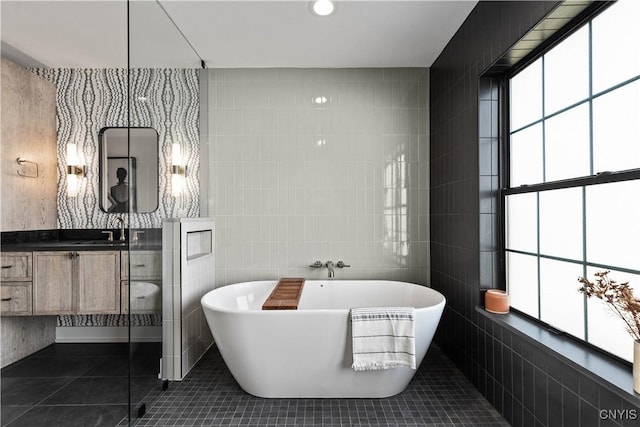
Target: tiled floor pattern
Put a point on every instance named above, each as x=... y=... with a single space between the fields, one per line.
x=82 y=385
x=438 y=395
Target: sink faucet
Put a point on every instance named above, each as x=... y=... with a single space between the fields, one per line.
x=330 y=268
x=121 y=221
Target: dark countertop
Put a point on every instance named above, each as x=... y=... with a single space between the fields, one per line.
x=77 y=240
x=66 y=245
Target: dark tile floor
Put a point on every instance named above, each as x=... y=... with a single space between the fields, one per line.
x=438 y=395
x=78 y=385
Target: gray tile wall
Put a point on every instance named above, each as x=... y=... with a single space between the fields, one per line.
x=528 y=384
x=292 y=181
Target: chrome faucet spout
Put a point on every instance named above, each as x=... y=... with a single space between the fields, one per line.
x=330 y=268
x=120 y=220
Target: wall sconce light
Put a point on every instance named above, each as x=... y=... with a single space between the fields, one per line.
x=75 y=171
x=178 y=171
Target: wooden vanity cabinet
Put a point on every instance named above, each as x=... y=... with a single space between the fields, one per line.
x=16 y=284
x=78 y=282
x=16 y=267
x=98 y=282
x=16 y=299
x=53 y=283
x=145 y=266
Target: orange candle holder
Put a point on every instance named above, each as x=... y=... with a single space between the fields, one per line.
x=496 y=301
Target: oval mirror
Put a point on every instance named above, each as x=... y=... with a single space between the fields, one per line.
x=128 y=172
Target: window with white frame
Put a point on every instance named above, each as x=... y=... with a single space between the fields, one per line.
x=572 y=200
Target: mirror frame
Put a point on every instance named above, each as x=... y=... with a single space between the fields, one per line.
x=132 y=163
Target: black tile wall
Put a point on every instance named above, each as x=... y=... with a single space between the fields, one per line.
x=528 y=384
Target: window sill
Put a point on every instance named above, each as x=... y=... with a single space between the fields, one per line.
x=609 y=373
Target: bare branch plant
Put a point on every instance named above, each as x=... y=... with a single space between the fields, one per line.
x=618 y=298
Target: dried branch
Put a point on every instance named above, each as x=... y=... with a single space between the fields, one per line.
x=618 y=298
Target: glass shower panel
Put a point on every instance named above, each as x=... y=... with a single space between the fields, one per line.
x=66 y=81
x=163 y=97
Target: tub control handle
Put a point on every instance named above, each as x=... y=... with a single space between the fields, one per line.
x=317 y=264
x=341 y=264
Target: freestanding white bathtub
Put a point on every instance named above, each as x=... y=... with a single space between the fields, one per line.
x=307 y=352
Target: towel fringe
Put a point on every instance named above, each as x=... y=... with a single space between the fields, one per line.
x=373 y=366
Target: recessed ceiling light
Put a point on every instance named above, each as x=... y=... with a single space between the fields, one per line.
x=322 y=7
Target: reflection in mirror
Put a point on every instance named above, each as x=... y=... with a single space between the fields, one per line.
x=128 y=172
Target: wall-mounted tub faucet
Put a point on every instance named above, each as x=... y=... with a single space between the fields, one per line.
x=328 y=264
x=330 y=268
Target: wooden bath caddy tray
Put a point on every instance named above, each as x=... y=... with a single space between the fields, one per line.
x=285 y=295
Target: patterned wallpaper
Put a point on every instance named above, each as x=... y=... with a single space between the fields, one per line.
x=91 y=99
x=68 y=320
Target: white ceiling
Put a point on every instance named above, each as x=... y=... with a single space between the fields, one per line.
x=240 y=33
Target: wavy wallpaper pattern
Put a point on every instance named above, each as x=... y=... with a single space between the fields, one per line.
x=88 y=100
x=68 y=320
x=91 y=99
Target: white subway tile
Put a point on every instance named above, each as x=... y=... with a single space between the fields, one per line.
x=297 y=201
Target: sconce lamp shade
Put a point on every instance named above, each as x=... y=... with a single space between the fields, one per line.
x=73 y=185
x=74 y=170
x=72 y=154
x=177 y=182
x=178 y=171
x=176 y=155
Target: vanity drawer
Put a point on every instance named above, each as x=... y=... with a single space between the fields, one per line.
x=16 y=266
x=15 y=299
x=143 y=264
x=144 y=300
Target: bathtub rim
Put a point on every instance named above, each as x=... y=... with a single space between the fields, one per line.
x=205 y=304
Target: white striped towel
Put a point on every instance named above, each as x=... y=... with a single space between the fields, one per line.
x=383 y=338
